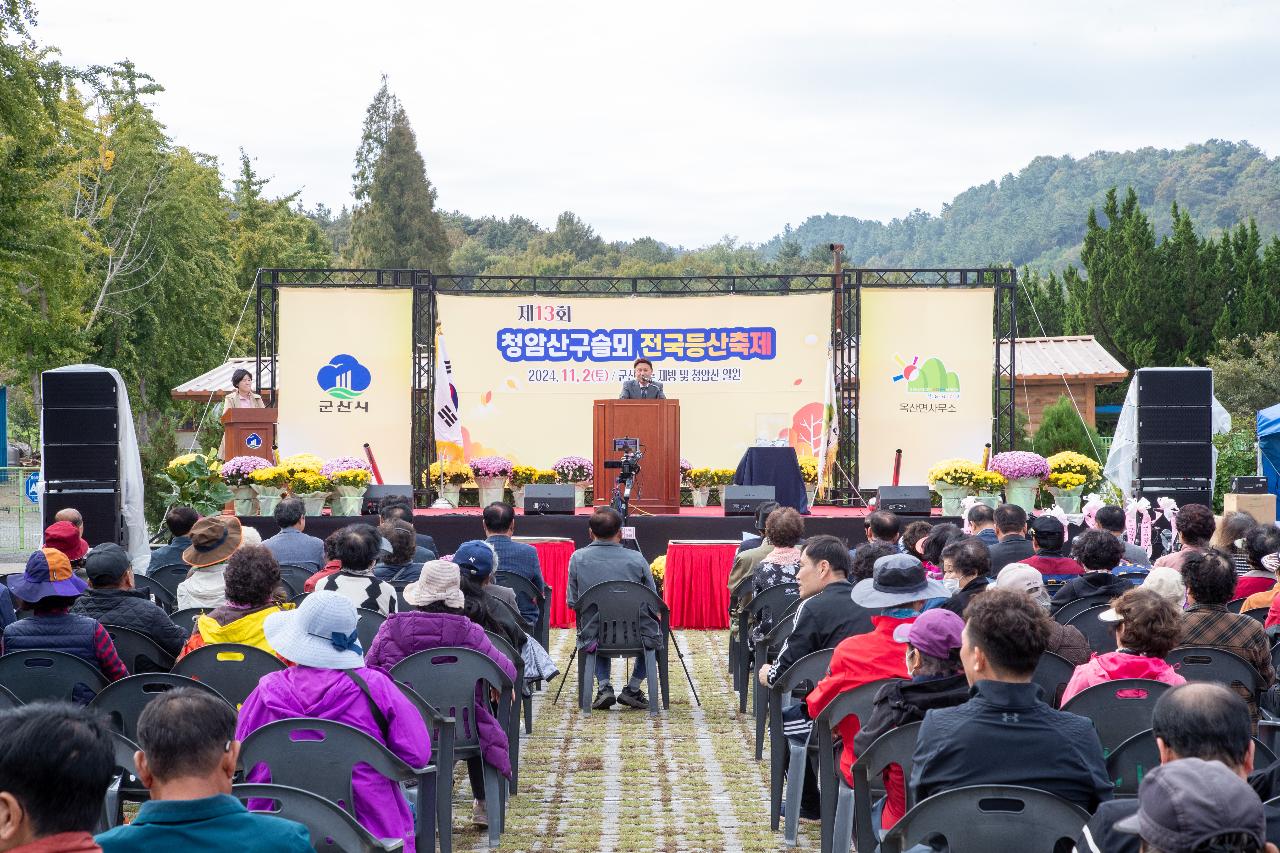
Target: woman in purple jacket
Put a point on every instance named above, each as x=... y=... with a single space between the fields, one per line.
x=444 y=617
x=320 y=636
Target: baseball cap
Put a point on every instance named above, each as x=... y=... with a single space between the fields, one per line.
x=476 y=558
x=106 y=562
x=935 y=633
x=1047 y=530
x=1186 y=802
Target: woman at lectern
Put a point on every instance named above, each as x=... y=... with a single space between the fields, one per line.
x=243 y=397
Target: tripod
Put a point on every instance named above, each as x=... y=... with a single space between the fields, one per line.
x=671 y=642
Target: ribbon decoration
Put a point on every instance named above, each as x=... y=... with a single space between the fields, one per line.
x=1092 y=503
x=1169 y=509
x=1057 y=512
x=346 y=642
x=967 y=503
x=1137 y=523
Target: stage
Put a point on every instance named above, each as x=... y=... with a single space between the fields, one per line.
x=450 y=528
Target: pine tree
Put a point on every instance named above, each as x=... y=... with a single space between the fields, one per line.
x=377 y=128
x=1062 y=428
x=399 y=227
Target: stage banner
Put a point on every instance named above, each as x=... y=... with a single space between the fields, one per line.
x=925 y=370
x=527 y=368
x=345 y=374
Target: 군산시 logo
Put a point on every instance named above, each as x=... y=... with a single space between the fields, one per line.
x=344 y=377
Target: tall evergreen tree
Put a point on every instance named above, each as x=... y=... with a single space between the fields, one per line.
x=399 y=228
x=377 y=128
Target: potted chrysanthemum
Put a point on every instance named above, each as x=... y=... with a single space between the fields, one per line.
x=809 y=475
x=269 y=484
x=521 y=476
x=989 y=485
x=576 y=471
x=1025 y=471
x=454 y=476
x=235 y=473
x=491 y=473
x=953 y=480
x=1070 y=473
x=312 y=488
x=350 y=476
x=700 y=480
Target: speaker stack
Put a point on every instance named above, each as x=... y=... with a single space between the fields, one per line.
x=81 y=444
x=1175 y=430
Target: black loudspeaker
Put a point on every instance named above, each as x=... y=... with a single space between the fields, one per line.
x=549 y=499
x=80 y=433
x=1160 y=460
x=90 y=389
x=1175 y=386
x=1193 y=491
x=100 y=509
x=1248 y=485
x=373 y=495
x=1175 y=423
x=904 y=500
x=1175 y=428
x=743 y=500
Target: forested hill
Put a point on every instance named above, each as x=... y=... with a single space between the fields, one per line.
x=1036 y=217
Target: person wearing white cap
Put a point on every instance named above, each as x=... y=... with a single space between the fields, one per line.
x=1066 y=641
x=332 y=682
x=1166 y=582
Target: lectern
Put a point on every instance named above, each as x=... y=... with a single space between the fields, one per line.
x=249 y=432
x=656 y=423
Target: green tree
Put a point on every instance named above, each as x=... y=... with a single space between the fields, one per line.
x=1246 y=374
x=1062 y=428
x=399 y=227
x=378 y=119
x=1041 y=304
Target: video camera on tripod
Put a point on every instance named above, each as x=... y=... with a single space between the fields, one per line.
x=628 y=468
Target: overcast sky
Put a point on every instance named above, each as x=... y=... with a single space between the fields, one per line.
x=687 y=121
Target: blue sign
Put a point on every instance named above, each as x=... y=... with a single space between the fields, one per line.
x=31 y=486
x=253 y=441
x=344 y=378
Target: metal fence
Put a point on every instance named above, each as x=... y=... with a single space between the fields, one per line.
x=20 y=528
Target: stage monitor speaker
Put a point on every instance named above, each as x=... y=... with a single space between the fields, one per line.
x=1175 y=386
x=1248 y=485
x=744 y=500
x=100 y=509
x=1183 y=491
x=549 y=499
x=1192 y=424
x=90 y=389
x=904 y=500
x=374 y=493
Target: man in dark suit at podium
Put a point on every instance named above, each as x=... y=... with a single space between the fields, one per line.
x=642 y=387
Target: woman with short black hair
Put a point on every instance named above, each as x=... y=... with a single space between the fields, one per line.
x=252 y=581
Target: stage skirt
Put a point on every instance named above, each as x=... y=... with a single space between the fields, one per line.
x=553 y=557
x=696 y=583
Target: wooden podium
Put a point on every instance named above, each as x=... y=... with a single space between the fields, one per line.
x=249 y=432
x=657 y=424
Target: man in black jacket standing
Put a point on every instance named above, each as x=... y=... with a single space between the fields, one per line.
x=112 y=600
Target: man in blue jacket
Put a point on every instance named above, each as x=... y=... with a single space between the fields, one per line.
x=516 y=557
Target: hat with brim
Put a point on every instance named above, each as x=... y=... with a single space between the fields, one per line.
x=64 y=536
x=439 y=581
x=48 y=573
x=897 y=579
x=321 y=633
x=213 y=540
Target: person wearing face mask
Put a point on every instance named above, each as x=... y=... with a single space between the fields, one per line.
x=1066 y=641
x=965 y=566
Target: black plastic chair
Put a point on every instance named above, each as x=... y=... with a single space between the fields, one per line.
x=35 y=674
x=736 y=595
x=125 y=785
x=1131 y=761
x=232 y=669
x=989 y=817
x=1204 y=663
x=843 y=807
x=186 y=617
x=442 y=740
x=784 y=756
x=524 y=587
x=1235 y=604
x=163 y=597
x=324 y=766
x=448 y=679
x=776 y=599
x=512 y=724
x=1117 y=718
x=1052 y=674
x=332 y=829
x=168 y=576
x=8 y=700
x=294 y=578
x=139 y=652
x=772 y=644
x=367 y=626
x=1257 y=613
x=1099 y=635
x=619 y=608
x=122 y=701
x=1069 y=611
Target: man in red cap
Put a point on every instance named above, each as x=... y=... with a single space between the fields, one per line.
x=63 y=536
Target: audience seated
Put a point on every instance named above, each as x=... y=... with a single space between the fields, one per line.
x=252 y=584
x=965 y=567
x=476 y=562
x=604 y=559
x=48 y=588
x=112 y=600
x=71 y=515
x=1191 y=805
x=1167 y=583
x=213 y=541
x=179 y=520
x=397 y=565
x=897 y=592
x=1048 y=538
x=1147 y=628
x=864 y=559
x=1112 y=520
x=1196 y=526
x=331 y=565
x=291 y=545
x=1201 y=720
x=1005 y=734
x=65 y=537
x=752 y=550
x=56 y=761
x=913 y=536
x=982 y=524
x=331 y=681
x=1229 y=538
x=1066 y=641
x=1211 y=580
x=393 y=507
x=187 y=760
x=1258 y=586
x=356 y=548
x=1098 y=553
x=784 y=529
x=499 y=522
x=882 y=526
x=443 y=616
x=935 y=543
x=7 y=613
x=1011 y=528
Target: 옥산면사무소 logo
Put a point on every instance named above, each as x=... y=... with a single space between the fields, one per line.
x=344 y=377
x=930 y=377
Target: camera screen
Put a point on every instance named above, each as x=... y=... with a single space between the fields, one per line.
x=622 y=445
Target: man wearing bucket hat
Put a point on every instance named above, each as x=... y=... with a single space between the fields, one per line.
x=897 y=589
x=332 y=682
x=48 y=587
x=66 y=537
x=213 y=540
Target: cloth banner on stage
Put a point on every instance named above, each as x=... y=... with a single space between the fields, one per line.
x=527 y=368
x=345 y=374
x=925 y=373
